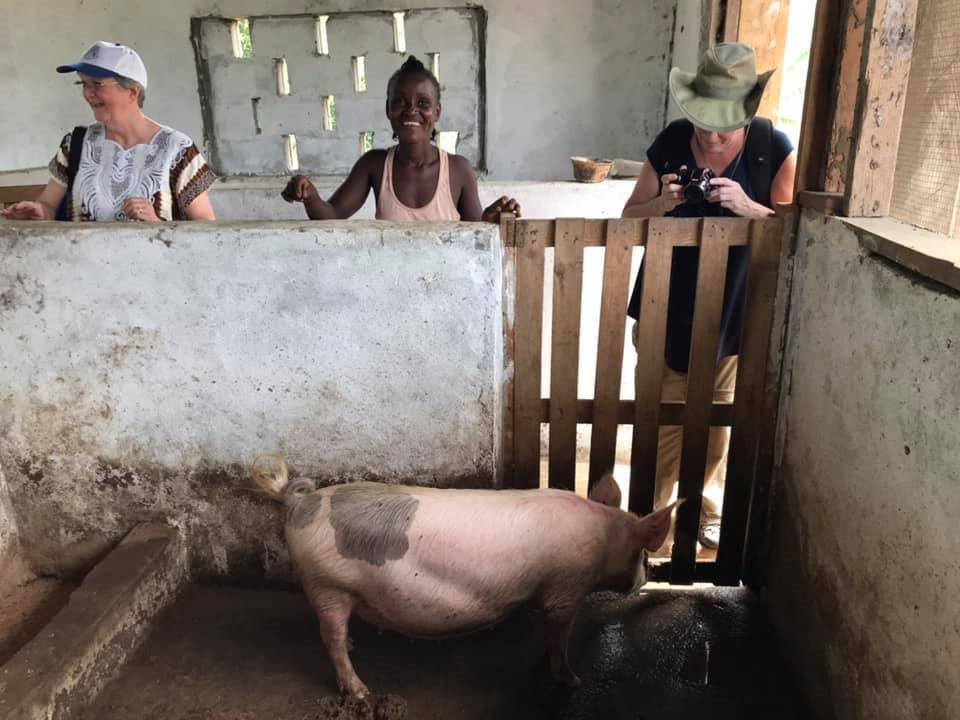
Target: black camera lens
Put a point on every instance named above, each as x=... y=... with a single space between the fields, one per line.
x=699 y=186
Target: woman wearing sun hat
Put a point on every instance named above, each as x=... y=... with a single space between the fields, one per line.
x=753 y=166
x=124 y=166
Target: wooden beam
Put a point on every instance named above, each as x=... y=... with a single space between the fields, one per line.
x=763 y=26
x=815 y=127
x=621 y=238
x=670 y=412
x=829 y=203
x=711 y=276
x=884 y=71
x=565 y=352
x=731 y=21
x=528 y=331
x=15 y=193
x=848 y=77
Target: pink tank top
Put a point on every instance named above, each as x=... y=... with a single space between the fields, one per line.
x=440 y=207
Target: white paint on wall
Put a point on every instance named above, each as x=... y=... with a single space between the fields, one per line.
x=563 y=78
x=864 y=570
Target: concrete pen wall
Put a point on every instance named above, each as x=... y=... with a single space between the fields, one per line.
x=143 y=370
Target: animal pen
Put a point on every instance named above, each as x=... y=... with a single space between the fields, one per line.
x=751 y=416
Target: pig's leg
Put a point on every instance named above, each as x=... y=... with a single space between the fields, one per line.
x=557 y=623
x=333 y=611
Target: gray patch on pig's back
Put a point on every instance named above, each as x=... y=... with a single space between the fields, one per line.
x=303 y=509
x=370 y=523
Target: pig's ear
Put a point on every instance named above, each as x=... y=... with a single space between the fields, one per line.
x=651 y=532
x=606 y=491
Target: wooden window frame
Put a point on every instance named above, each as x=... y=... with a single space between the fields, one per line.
x=850 y=133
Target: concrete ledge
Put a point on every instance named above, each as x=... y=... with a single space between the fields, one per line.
x=71 y=659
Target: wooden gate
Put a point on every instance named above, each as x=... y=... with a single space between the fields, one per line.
x=750 y=414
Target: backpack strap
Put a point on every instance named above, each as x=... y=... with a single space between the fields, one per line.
x=759 y=150
x=76 y=148
x=73 y=165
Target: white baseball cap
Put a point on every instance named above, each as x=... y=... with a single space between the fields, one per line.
x=106 y=59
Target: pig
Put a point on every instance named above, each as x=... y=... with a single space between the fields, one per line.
x=439 y=563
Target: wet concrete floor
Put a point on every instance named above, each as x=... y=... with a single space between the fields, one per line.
x=227 y=653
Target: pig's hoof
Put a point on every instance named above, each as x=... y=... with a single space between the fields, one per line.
x=390 y=707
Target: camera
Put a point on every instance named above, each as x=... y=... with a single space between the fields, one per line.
x=696 y=184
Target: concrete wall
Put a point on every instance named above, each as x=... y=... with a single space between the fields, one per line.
x=8 y=522
x=142 y=371
x=259 y=198
x=864 y=569
x=564 y=77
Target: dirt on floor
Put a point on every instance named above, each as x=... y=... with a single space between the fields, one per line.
x=27 y=603
x=227 y=653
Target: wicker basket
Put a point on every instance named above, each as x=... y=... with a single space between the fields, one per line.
x=590 y=170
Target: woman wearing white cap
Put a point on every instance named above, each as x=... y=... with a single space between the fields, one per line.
x=751 y=169
x=124 y=166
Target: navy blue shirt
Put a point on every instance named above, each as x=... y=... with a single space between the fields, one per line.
x=669 y=151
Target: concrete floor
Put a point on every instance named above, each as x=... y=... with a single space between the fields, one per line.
x=227 y=653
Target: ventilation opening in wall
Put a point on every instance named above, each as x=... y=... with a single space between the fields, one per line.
x=399 y=34
x=329 y=112
x=320 y=29
x=290 y=155
x=241 y=39
x=359 y=73
x=366 y=141
x=283 y=77
x=288 y=66
x=255 y=102
x=434 y=64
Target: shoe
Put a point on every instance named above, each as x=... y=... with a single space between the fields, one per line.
x=710 y=535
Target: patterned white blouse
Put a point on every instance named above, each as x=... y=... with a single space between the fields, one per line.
x=169 y=169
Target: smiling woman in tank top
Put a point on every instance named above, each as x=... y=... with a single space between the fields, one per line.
x=414 y=180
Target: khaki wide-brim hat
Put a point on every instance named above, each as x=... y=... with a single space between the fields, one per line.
x=725 y=92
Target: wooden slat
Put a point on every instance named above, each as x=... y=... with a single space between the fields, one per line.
x=595 y=232
x=16 y=193
x=703 y=572
x=528 y=329
x=749 y=396
x=884 y=70
x=829 y=203
x=621 y=237
x=731 y=22
x=565 y=352
x=848 y=77
x=818 y=98
x=763 y=26
x=662 y=235
x=671 y=412
x=711 y=276
x=756 y=553
x=505 y=459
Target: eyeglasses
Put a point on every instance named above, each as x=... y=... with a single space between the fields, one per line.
x=94 y=85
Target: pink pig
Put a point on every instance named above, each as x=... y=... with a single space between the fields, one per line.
x=436 y=563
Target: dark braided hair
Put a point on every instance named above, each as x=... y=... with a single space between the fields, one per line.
x=412 y=66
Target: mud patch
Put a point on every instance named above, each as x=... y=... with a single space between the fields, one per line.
x=384 y=707
x=371 y=521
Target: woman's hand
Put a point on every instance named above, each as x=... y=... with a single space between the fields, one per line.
x=502 y=204
x=671 y=192
x=25 y=210
x=731 y=196
x=140 y=210
x=299 y=189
